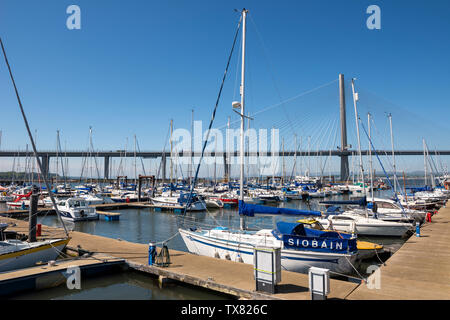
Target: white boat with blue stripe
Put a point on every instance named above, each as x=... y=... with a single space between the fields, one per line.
x=76 y=209
x=301 y=248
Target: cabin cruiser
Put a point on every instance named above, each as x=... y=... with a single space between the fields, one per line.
x=167 y=199
x=17 y=254
x=390 y=210
x=76 y=209
x=359 y=221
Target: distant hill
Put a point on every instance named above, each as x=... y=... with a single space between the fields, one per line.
x=10 y=175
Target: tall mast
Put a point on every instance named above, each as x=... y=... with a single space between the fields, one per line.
x=370 y=157
x=424 y=161
x=295 y=156
x=135 y=169
x=228 y=156
x=309 y=155
x=241 y=180
x=393 y=155
x=355 y=98
x=171 y=150
x=192 y=150
x=283 y=169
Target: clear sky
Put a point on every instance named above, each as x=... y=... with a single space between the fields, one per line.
x=134 y=65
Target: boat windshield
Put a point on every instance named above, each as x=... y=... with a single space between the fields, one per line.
x=77 y=203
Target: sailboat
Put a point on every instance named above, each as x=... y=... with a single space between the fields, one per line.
x=301 y=248
x=17 y=254
x=14 y=253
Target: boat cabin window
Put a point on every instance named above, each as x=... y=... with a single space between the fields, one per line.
x=386 y=205
x=62 y=203
x=77 y=203
x=316 y=226
x=342 y=218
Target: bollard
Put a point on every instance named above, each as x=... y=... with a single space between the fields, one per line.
x=151 y=253
x=38 y=230
x=417 y=229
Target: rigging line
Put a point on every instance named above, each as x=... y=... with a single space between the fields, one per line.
x=381 y=164
x=287 y=100
x=212 y=117
x=391 y=166
x=164 y=151
x=266 y=57
x=142 y=161
x=328 y=143
x=31 y=138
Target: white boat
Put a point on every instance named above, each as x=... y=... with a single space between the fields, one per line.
x=16 y=254
x=365 y=225
x=214 y=203
x=236 y=245
x=92 y=199
x=179 y=200
x=76 y=209
x=390 y=210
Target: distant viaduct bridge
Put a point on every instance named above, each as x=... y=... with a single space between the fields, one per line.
x=107 y=155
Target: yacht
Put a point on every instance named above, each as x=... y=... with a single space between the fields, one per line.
x=76 y=209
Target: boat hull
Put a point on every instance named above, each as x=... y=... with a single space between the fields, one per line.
x=291 y=260
x=30 y=256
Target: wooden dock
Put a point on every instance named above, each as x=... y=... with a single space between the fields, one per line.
x=223 y=276
x=109 y=216
x=418 y=270
x=48 y=276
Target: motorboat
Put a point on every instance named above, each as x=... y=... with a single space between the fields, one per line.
x=76 y=209
x=360 y=223
x=179 y=200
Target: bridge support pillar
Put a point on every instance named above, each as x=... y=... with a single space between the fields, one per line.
x=106 y=169
x=163 y=160
x=45 y=160
x=225 y=168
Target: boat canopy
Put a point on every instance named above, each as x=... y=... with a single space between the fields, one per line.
x=296 y=236
x=247 y=209
x=417 y=189
x=361 y=202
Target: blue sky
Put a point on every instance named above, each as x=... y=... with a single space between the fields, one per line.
x=134 y=65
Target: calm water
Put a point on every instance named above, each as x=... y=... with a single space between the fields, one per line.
x=122 y=286
x=144 y=226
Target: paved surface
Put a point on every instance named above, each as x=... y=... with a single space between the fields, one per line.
x=420 y=269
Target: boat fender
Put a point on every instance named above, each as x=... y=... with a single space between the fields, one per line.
x=227 y=256
x=82 y=213
x=216 y=255
x=127 y=200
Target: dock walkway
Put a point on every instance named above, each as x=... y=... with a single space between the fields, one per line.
x=220 y=275
x=420 y=269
